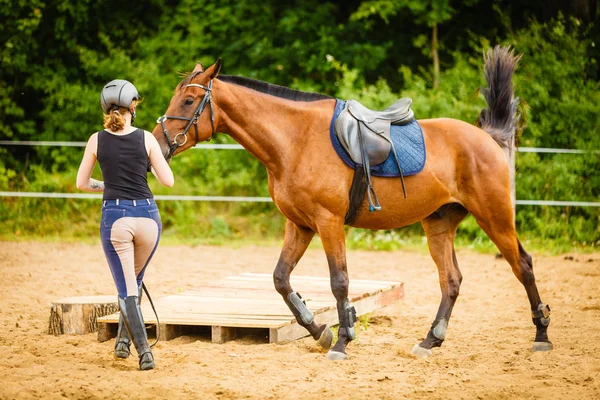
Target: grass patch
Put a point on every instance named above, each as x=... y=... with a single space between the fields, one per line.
x=362 y=324
x=237 y=225
x=356 y=240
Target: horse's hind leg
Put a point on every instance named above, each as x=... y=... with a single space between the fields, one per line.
x=441 y=231
x=498 y=223
x=295 y=242
x=540 y=312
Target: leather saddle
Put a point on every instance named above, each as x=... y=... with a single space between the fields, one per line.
x=365 y=135
x=358 y=124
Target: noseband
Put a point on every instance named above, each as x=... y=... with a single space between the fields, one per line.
x=194 y=120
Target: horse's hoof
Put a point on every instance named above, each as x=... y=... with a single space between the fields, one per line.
x=541 y=346
x=421 y=352
x=336 y=355
x=326 y=338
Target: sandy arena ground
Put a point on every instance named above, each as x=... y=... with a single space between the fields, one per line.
x=486 y=354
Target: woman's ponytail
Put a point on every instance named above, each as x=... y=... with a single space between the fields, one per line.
x=114 y=120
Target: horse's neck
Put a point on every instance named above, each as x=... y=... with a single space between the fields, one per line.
x=267 y=126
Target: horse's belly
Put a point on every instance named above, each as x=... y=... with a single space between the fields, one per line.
x=392 y=217
x=425 y=193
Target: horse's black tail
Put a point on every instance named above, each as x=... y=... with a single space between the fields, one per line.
x=501 y=118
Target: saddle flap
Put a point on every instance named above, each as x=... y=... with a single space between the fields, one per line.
x=347 y=130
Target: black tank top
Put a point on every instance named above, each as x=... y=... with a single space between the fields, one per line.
x=124 y=163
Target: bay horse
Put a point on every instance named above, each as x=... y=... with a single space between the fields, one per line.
x=466 y=171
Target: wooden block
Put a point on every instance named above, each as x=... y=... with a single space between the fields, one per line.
x=79 y=315
x=222 y=334
x=107 y=331
x=169 y=331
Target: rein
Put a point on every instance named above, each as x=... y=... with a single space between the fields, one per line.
x=155 y=314
x=175 y=144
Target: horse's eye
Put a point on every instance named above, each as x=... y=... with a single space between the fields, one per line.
x=189 y=101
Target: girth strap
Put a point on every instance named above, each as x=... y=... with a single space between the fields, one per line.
x=357 y=195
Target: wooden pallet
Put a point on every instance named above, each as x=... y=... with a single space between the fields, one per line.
x=251 y=301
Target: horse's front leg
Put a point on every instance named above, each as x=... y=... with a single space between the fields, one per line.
x=295 y=242
x=334 y=242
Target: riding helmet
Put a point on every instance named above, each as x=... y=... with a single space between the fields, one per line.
x=118 y=92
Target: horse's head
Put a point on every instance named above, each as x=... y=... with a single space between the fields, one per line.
x=189 y=119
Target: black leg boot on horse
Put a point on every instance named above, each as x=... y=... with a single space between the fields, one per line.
x=346 y=332
x=134 y=322
x=123 y=341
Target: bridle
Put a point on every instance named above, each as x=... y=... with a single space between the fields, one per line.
x=194 y=120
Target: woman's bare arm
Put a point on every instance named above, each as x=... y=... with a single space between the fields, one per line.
x=160 y=167
x=85 y=181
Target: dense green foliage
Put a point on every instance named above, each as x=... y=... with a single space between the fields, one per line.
x=55 y=57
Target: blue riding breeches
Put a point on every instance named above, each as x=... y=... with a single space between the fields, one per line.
x=129 y=231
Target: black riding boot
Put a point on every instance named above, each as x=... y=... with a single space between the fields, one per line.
x=123 y=342
x=132 y=317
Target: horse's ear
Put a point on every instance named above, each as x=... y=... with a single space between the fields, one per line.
x=216 y=68
x=199 y=67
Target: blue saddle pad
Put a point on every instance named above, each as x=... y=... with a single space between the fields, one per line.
x=408 y=141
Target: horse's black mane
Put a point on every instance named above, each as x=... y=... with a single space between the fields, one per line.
x=273 y=90
x=263 y=87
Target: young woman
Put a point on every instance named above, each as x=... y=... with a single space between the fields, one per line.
x=131 y=226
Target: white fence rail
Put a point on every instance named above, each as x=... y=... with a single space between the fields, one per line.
x=261 y=199
x=82 y=144
x=157 y=197
x=207 y=146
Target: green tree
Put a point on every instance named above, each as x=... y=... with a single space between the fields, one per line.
x=431 y=13
x=54 y=57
